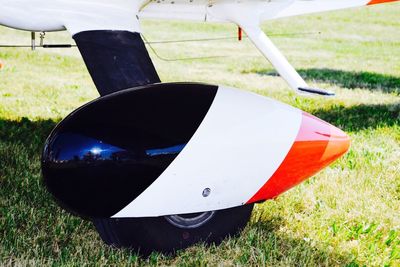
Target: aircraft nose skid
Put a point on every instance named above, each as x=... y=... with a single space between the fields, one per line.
x=317 y=145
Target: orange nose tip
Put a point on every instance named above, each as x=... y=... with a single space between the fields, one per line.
x=321 y=141
x=338 y=144
x=374 y=2
x=317 y=145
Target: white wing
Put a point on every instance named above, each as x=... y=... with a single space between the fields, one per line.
x=301 y=7
x=178 y=9
x=201 y=10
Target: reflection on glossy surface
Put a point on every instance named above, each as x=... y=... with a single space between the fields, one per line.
x=164 y=151
x=77 y=149
x=317 y=145
x=105 y=154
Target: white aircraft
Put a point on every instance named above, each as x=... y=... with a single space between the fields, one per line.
x=125 y=15
x=163 y=166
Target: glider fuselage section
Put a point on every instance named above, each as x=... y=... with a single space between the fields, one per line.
x=75 y=16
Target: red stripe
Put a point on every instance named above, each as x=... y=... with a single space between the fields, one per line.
x=317 y=145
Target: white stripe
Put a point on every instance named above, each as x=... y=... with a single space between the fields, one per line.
x=237 y=148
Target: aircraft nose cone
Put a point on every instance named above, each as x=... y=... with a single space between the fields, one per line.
x=322 y=142
x=317 y=145
x=338 y=144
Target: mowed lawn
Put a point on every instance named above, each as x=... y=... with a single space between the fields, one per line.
x=347 y=215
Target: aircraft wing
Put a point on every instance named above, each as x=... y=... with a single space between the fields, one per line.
x=302 y=7
x=96 y=20
x=202 y=10
x=181 y=10
x=248 y=14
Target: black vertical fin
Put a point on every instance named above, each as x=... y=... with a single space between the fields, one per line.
x=116 y=60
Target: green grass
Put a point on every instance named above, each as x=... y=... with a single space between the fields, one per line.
x=347 y=215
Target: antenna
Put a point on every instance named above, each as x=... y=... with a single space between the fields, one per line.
x=33 y=41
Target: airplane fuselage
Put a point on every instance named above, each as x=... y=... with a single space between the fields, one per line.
x=76 y=16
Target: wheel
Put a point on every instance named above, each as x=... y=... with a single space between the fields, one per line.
x=171 y=233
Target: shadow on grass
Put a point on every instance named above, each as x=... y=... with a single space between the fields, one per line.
x=27 y=206
x=26 y=132
x=361 y=117
x=349 y=79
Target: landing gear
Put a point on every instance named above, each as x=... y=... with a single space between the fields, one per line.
x=105 y=156
x=130 y=159
x=168 y=234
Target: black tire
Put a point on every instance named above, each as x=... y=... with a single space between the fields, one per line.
x=160 y=234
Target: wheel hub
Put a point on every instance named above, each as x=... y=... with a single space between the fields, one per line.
x=190 y=221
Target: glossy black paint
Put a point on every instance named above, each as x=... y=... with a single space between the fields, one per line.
x=102 y=156
x=116 y=60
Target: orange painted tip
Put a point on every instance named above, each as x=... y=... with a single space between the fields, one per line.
x=374 y=2
x=1 y=65
x=317 y=145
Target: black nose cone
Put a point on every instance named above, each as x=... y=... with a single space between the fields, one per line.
x=105 y=154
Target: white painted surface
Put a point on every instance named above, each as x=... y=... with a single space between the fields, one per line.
x=277 y=59
x=268 y=9
x=73 y=15
x=82 y=15
x=237 y=148
x=179 y=9
x=302 y=7
x=246 y=11
x=248 y=15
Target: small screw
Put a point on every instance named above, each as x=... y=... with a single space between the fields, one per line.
x=206 y=192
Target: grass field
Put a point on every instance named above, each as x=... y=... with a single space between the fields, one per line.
x=347 y=215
